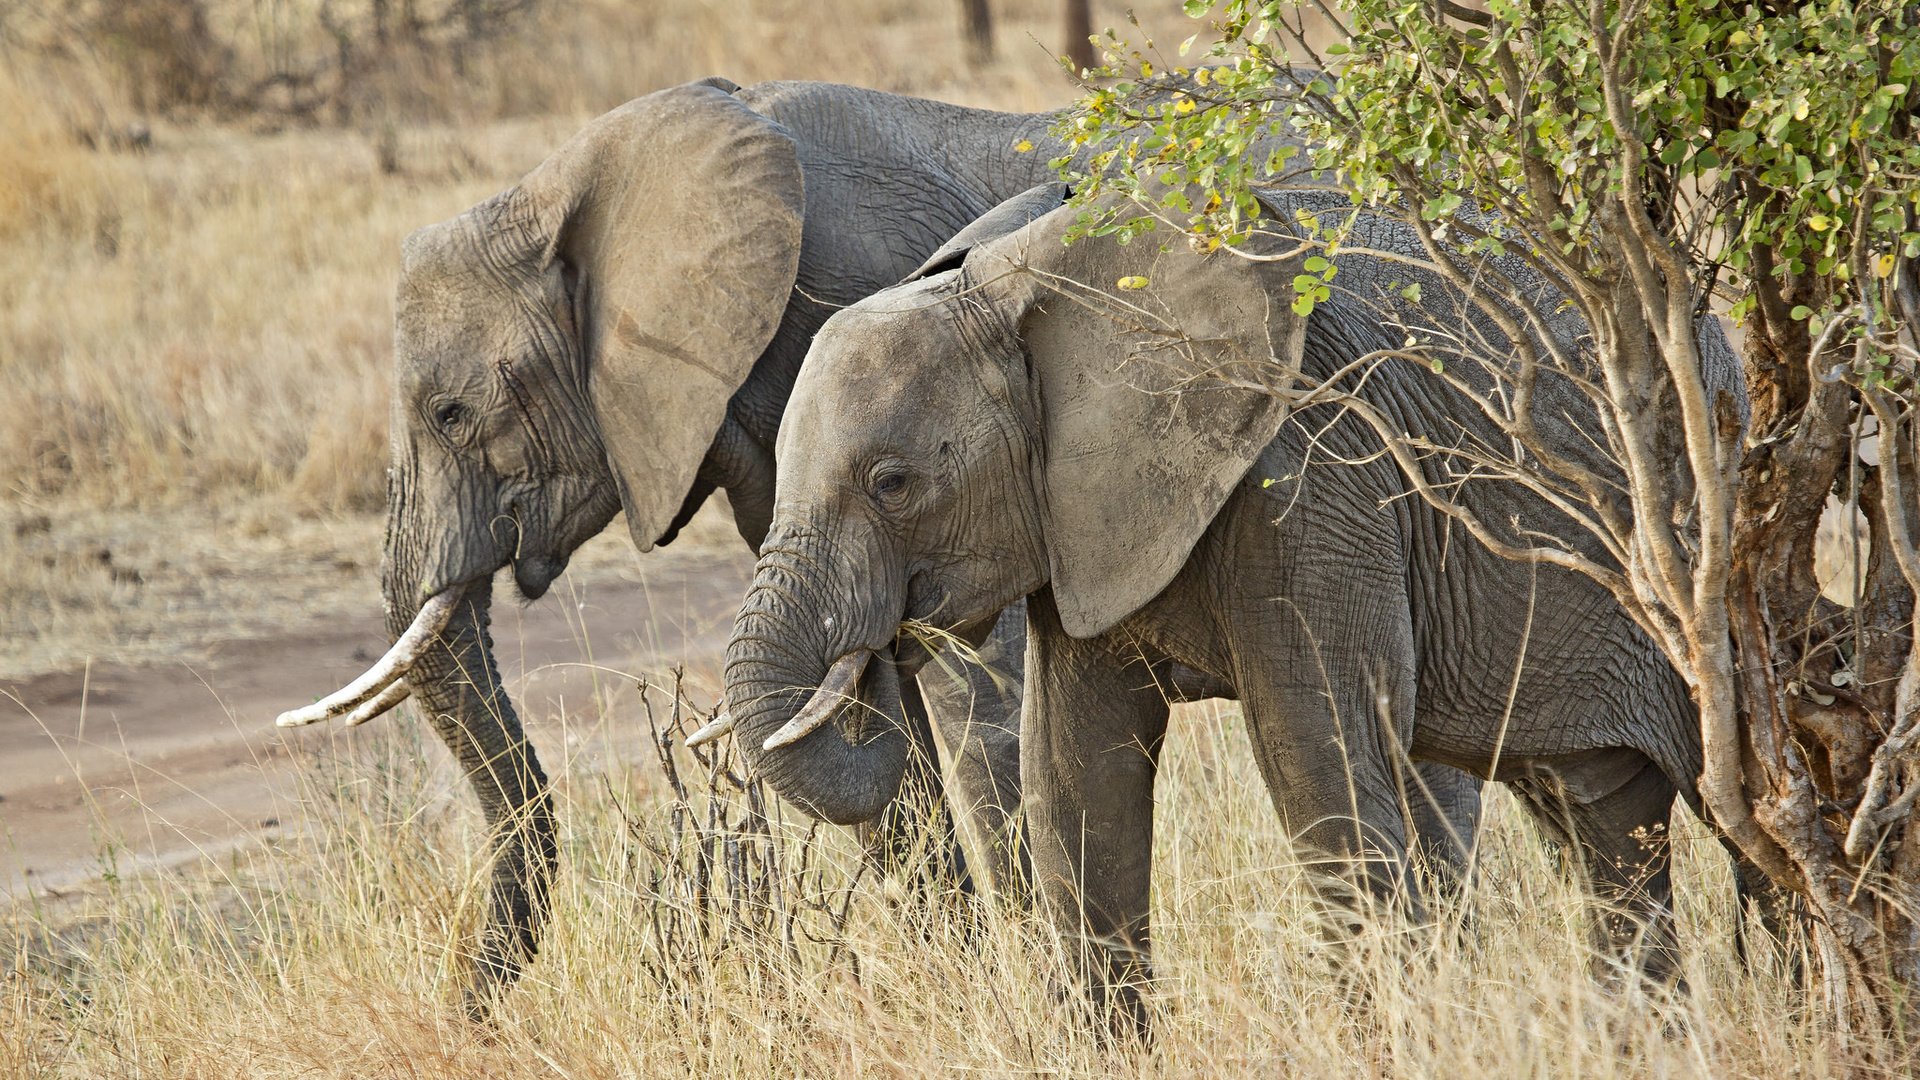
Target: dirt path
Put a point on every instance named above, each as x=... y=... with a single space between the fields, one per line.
x=165 y=762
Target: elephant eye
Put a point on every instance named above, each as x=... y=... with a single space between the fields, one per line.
x=449 y=414
x=888 y=485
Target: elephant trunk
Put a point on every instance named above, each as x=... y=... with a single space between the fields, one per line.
x=456 y=683
x=818 y=714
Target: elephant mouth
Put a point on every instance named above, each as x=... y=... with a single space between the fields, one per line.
x=534 y=574
x=861 y=692
x=917 y=641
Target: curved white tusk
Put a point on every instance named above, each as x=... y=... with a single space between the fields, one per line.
x=396 y=692
x=835 y=690
x=433 y=618
x=719 y=726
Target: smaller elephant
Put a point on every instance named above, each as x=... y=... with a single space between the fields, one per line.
x=1009 y=426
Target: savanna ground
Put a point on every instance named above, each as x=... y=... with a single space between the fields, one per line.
x=193 y=348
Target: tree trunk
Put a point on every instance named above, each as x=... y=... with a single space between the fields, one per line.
x=976 y=20
x=1077 y=26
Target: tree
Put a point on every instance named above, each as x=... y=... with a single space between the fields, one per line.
x=976 y=22
x=1076 y=23
x=1647 y=160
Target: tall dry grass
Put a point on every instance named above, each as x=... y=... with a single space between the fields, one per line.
x=333 y=955
x=195 y=326
x=209 y=318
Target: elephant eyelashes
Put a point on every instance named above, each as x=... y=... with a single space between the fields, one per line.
x=888 y=486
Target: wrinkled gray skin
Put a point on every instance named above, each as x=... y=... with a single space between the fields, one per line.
x=980 y=436
x=621 y=331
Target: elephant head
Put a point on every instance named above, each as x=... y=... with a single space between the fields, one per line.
x=563 y=351
x=1026 y=417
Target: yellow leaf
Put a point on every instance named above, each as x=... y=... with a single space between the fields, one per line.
x=1024 y=146
x=1183 y=106
x=1819 y=222
x=1883 y=265
x=1132 y=281
x=1200 y=76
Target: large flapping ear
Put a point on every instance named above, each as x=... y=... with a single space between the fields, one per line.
x=678 y=216
x=1155 y=371
x=1037 y=201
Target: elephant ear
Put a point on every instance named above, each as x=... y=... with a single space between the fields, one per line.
x=1037 y=201
x=1155 y=372
x=677 y=217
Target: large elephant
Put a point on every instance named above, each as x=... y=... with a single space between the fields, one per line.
x=620 y=331
x=1010 y=426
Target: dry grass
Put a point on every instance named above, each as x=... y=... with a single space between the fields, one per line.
x=211 y=316
x=193 y=342
x=332 y=956
x=198 y=332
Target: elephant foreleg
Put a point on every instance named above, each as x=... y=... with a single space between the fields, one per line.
x=1443 y=817
x=1091 y=731
x=975 y=708
x=913 y=840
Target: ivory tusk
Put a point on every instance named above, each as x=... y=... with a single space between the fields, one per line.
x=396 y=692
x=433 y=618
x=835 y=690
x=719 y=726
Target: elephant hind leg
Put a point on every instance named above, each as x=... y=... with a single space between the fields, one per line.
x=1442 y=806
x=1619 y=842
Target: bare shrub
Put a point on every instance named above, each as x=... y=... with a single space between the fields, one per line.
x=722 y=889
x=165 y=52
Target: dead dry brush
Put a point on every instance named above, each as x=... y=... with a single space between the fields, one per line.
x=723 y=879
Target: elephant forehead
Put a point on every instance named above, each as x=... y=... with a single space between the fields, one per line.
x=873 y=387
x=457 y=315
x=881 y=358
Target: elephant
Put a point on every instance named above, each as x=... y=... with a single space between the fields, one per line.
x=1013 y=425
x=619 y=331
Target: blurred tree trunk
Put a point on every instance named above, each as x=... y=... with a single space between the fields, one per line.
x=976 y=19
x=1077 y=25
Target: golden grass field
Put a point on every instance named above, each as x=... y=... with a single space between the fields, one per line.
x=194 y=356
